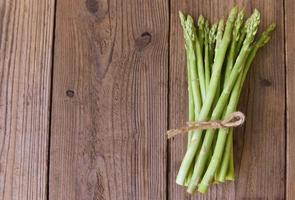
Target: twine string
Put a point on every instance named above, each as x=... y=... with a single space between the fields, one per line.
x=232 y=120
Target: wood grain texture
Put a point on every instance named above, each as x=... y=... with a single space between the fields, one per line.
x=26 y=31
x=290 y=72
x=260 y=143
x=110 y=90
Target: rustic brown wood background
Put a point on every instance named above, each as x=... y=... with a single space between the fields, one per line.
x=88 y=88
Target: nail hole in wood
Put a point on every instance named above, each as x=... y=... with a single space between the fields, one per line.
x=70 y=93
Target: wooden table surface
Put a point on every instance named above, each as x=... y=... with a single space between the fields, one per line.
x=88 y=89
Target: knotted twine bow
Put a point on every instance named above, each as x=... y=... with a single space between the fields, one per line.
x=232 y=120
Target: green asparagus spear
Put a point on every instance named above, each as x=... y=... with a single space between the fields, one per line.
x=201 y=31
x=189 y=33
x=206 y=57
x=242 y=37
x=226 y=168
x=219 y=35
x=191 y=109
x=230 y=176
x=199 y=53
x=211 y=41
x=235 y=39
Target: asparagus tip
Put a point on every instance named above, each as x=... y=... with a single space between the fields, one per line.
x=201 y=21
x=220 y=26
x=238 y=25
x=233 y=14
x=254 y=22
x=190 y=27
x=182 y=18
x=212 y=34
x=264 y=38
x=271 y=27
x=180 y=13
x=252 y=26
x=206 y=27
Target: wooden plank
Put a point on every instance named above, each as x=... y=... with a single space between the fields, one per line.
x=261 y=160
x=290 y=72
x=259 y=144
x=26 y=31
x=109 y=111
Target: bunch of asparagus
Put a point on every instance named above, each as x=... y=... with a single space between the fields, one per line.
x=218 y=60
